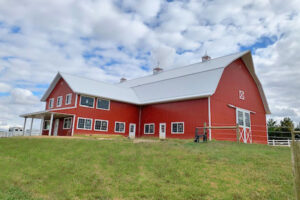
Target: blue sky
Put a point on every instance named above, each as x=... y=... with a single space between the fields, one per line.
x=106 y=40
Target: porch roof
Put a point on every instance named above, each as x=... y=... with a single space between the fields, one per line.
x=45 y=115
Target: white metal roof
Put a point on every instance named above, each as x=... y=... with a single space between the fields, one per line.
x=192 y=81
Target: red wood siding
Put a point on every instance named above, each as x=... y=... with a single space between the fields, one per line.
x=237 y=77
x=192 y=112
x=61 y=89
x=61 y=131
x=121 y=112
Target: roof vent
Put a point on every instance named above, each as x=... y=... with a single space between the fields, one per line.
x=157 y=70
x=123 y=80
x=205 y=57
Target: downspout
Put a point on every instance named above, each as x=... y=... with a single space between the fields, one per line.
x=140 y=117
x=209 y=118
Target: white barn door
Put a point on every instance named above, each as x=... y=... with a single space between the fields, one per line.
x=244 y=122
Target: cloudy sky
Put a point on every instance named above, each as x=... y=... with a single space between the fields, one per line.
x=106 y=40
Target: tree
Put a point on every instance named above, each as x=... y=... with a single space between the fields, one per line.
x=298 y=127
x=272 y=124
x=286 y=124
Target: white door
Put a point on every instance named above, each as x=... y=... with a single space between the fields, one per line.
x=243 y=120
x=132 y=131
x=162 y=131
x=56 y=123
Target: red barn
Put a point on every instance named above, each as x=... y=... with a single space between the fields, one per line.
x=224 y=91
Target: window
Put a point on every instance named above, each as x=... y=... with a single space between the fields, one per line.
x=87 y=101
x=177 y=127
x=67 y=123
x=149 y=128
x=68 y=99
x=120 y=127
x=51 y=101
x=242 y=94
x=46 y=125
x=59 y=101
x=247 y=119
x=103 y=104
x=101 y=125
x=240 y=118
x=84 y=123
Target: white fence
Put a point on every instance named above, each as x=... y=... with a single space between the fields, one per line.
x=280 y=142
x=9 y=134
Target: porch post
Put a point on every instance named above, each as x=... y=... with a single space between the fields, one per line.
x=41 y=126
x=24 y=126
x=31 y=126
x=51 y=122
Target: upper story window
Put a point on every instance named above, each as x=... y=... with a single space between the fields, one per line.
x=103 y=104
x=177 y=127
x=120 y=127
x=68 y=99
x=67 y=123
x=59 y=101
x=51 y=102
x=87 y=101
x=149 y=128
x=84 y=123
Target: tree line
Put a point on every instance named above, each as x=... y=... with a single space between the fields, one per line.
x=282 y=130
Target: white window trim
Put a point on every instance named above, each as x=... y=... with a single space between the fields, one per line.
x=85 y=105
x=116 y=127
x=100 y=126
x=70 y=123
x=51 y=106
x=84 y=123
x=60 y=97
x=70 y=95
x=102 y=108
x=172 y=128
x=153 y=129
x=44 y=125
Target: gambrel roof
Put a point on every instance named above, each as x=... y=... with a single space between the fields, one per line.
x=193 y=81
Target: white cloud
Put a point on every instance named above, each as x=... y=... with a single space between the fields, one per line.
x=4 y=87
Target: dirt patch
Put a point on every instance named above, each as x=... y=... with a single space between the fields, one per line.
x=144 y=140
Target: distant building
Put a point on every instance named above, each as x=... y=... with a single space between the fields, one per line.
x=224 y=91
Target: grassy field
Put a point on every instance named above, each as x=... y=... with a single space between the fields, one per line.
x=119 y=169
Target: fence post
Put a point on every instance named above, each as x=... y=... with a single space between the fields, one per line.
x=273 y=142
x=296 y=167
x=289 y=143
x=237 y=133
x=204 y=129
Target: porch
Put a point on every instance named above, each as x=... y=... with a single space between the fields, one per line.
x=52 y=123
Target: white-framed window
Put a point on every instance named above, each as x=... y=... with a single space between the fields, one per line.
x=67 y=123
x=101 y=125
x=46 y=125
x=84 y=123
x=120 y=127
x=51 y=102
x=87 y=101
x=68 y=99
x=149 y=128
x=59 y=101
x=103 y=104
x=177 y=127
x=242 y=94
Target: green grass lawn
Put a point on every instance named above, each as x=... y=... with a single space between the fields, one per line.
x=119 y=169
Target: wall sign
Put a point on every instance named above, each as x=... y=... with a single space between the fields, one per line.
x=242 y=94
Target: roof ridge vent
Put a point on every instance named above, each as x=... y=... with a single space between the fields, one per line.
x=206 y=57
x=158 y=69
x=122 y=80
